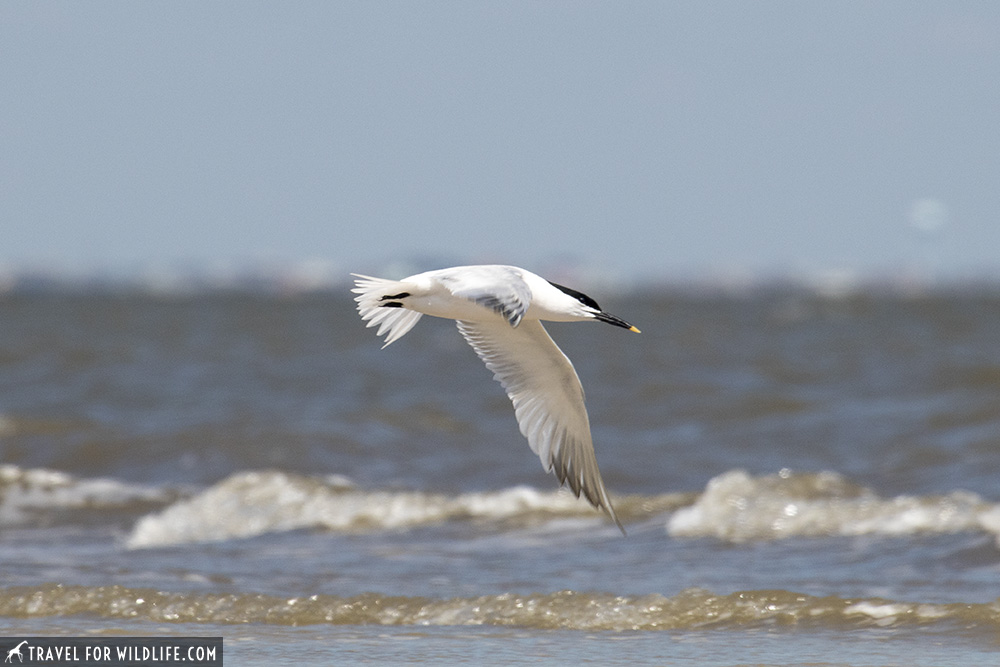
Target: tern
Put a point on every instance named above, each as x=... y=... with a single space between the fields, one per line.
x=499 y=311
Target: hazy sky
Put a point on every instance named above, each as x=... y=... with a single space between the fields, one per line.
x=679 y=138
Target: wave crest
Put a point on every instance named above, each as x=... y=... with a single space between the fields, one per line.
x=738 y=507
x=26 y=493
x=252 y=503
x=590 y=611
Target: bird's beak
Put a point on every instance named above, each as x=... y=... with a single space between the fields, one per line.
x=617 y=321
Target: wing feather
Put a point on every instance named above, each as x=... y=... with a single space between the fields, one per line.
x=501 y=289
x=548 y=401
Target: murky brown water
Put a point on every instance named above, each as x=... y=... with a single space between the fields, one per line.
x=803 y=480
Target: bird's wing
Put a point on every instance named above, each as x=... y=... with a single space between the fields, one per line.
x=548 y=401
x=498 y=288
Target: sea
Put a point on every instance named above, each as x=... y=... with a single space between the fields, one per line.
x=805 y=478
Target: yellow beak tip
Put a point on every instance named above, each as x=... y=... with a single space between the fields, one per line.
x=634 y=329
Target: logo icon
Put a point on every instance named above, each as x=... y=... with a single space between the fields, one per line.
x=16 y=651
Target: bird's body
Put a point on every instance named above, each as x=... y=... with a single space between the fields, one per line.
x=499 y=310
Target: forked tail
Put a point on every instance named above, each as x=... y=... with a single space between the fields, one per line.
x=381 y=302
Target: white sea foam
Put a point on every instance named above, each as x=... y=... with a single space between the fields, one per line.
x=567 y=609
x=252 y=503
x=738 y=507
x=735 y=507
x=25 y=492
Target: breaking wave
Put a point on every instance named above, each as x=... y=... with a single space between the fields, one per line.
x=689 y=609
x=25 y=494
x=738 y=507
x=734 y=507
x=252 y=503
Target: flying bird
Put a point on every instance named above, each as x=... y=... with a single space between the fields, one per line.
x=499 y=310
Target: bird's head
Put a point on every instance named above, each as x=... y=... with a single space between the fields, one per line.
x=587 y=307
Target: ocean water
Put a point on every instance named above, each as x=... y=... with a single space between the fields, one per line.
x=805 y=480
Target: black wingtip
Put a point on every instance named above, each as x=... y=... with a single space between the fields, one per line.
x=611 y=514
x=614 y=517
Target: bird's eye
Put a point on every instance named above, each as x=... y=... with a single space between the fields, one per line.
x=579 y=296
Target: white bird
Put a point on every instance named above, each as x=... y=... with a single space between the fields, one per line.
x=499 y=311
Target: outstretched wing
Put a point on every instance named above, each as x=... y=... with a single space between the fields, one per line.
x=548 y=401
